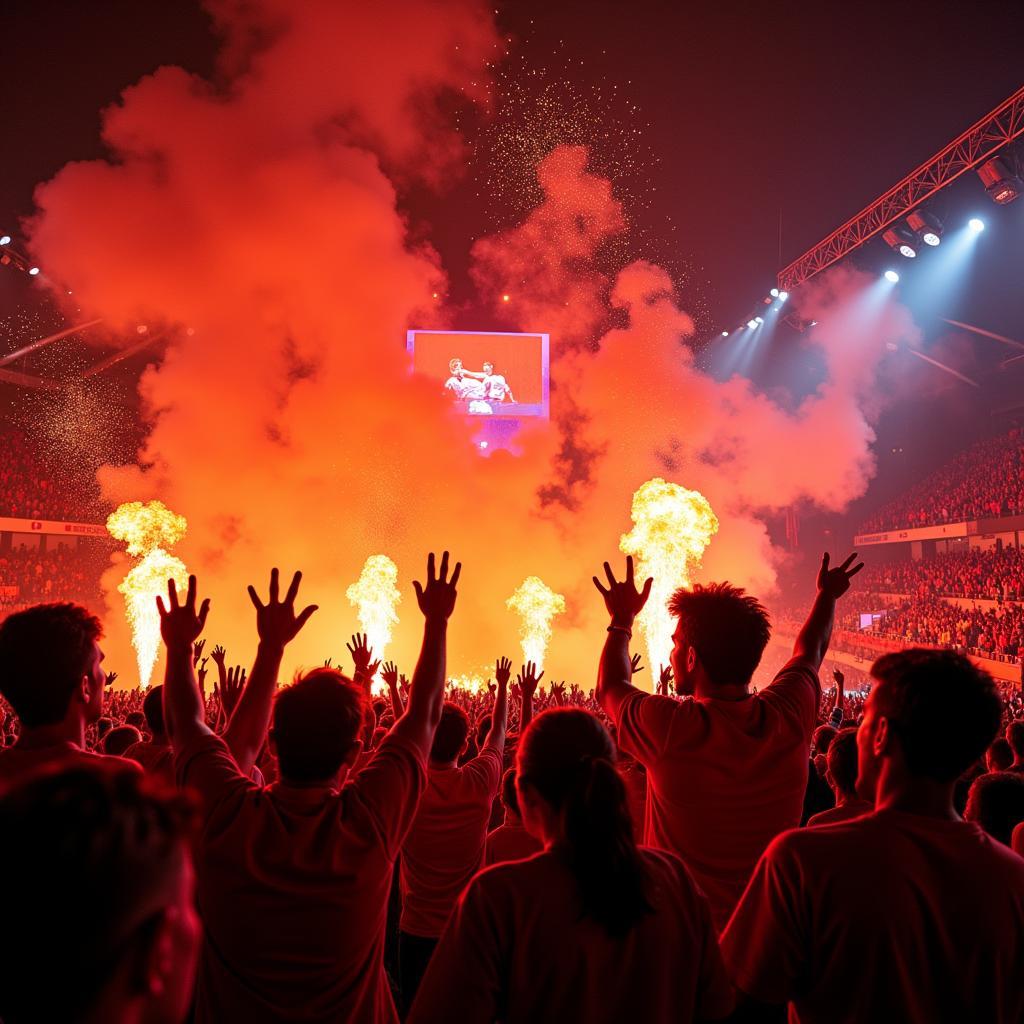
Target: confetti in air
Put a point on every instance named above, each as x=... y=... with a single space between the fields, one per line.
x=536 y=604
x=148 y=530
x=672 y=527
x=374 y=596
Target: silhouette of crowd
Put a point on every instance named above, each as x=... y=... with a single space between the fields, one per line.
x=225 y=848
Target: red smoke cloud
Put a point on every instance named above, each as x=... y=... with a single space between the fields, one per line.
x=260 y=213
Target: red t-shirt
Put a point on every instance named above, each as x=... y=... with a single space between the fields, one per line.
x=844 y=812
x=891 y=916
x=723 y=777
x=445 y=846
x=509 y=842
x=20 y=760
x=517 y=950
x=155 y=758
x=293 y=885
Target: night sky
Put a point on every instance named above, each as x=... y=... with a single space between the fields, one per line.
x=753 y=116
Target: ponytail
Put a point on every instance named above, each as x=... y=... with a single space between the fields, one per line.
x=566 y=755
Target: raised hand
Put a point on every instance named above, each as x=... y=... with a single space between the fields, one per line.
x=327 y=663
x=390 y=674
x=197 y=651
x=634 y=664
x=528 y=679
x=403 y=684
x=218 y=654
x=111 y=677
x=276 y=622
x=234 y=681
x=201 y=673
x=623 y=601
x=558 y=692
x=181 y=624
x=362 y=654
x=836 y=582
x=665 y=679
x=503 y=671
x=838 y=676
x=436 y=597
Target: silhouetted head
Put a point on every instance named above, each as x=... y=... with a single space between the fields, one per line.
x=841 y=759
x=996 y=803
x=930 y=715
x=316 y=726
x=153 y=709
x=51 y=664
x=508 y=793
x=118 y=740
x=451 y=735
x=721 y=633
x=98 y=904
x=999 y=755
x=1015 y=737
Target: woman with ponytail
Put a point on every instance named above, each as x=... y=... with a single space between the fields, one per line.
x=593 y=928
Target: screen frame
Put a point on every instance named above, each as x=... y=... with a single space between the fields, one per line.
x=516 y=410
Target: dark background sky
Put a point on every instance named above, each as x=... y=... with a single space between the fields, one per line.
x=755 y=111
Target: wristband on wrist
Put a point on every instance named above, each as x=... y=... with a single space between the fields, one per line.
x=621 y=629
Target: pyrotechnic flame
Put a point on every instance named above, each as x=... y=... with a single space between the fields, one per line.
x=147 y=529
x=374 y=596
x=472 y=681
x=671 y=529
x=536 y=604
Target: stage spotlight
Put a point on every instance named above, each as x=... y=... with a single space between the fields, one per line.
x=751 y=324
x=891 y=275
x=926 y=226
x=759 y=319
x=5 y=239
x=976 y=224
x=1002 y=185
x=902 y=240
x=774 y=293
x=33 y=271
x=505 y=298
x=783 y=296
x=725 y=334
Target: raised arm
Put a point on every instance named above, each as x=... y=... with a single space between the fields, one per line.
x=277 y=625
x=838 y=709
x=623 y=602
x=527 y=687
x=813 y=640
x=499 y=716
x=436 y=599
x=365 y=668
x=389 y=674
x=180 y=626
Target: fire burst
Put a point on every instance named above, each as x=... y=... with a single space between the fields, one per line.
x=375 y=596
x=536 y=604
x=147 y=529
x=671 y=529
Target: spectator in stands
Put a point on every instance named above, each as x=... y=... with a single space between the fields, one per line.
x=727 y=771
x=51 y=673
x=593 y=929
x=841 y=775
x=293 y=880
x=445 y=845
x=154 y=754
x=996 y=803
x=1015 y=737
x=883 y=893
x=999 y=756
x=99 y=926
x=510 y=840
x=119 y=739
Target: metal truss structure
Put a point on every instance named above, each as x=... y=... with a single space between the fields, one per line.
x=979 y=143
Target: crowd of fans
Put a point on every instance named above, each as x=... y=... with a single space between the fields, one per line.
x=30 y=576
x=993 y=575
x=29 y=490
x=221 y=848
x=984 y=481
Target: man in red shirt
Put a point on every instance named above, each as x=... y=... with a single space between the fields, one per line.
x=293 y=879
x=908 y=913
x=155 y=754
x=841 y=775
x=510 y=840
x=445 y=845
x=727 y=769
x=51 y=673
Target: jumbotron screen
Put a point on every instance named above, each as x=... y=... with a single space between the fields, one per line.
x=485 y=373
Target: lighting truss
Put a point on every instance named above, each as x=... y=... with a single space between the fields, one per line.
x=978 y=144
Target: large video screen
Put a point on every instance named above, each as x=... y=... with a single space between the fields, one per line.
x=485 y=373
